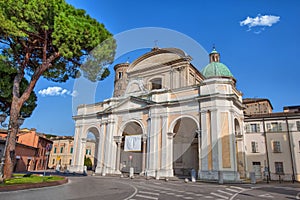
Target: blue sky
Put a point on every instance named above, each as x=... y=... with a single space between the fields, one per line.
x=258 y=41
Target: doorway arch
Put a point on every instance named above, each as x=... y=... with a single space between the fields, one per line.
x=131 y=147
x=185 y=146
x=90 y=151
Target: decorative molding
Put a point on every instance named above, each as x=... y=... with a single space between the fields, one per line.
x=118 y=139
x=170 y=135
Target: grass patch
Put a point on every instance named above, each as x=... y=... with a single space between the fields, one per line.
x=23 y=179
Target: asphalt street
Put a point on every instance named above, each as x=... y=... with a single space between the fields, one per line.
x=106 y=188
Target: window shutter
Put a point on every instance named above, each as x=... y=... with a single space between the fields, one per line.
x=280 y=126
x=268 y=127
x=247 y=128
x=258 y=127
x=256 y=147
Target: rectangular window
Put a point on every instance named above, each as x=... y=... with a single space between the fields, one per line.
x=276 y=127
x=254 y=147
x=279 y=167
x=276 y=147
x=61 y=149
x=70 y=161
x=88 y=152
x=298 y=125
x=254 y=128
x=71 y=150
x=55 y=149
x=53 y=161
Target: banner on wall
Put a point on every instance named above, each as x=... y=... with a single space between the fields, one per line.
x=133 y=143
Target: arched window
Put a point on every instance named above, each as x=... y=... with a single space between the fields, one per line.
x=156 y=84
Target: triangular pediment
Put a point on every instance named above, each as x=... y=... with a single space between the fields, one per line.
x=131 y=103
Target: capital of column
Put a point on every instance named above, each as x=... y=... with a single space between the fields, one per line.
x=144 y=138
x=170 y=135
x=118 y=139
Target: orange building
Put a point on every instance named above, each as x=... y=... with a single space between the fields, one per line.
x=31 y=149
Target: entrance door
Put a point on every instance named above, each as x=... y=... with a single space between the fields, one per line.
x=133 y=156
x=257 y=169
x=185 y=147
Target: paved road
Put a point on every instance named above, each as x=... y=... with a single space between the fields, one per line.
x=106 y=188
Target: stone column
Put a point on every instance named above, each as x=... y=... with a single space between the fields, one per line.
x=170 y=136
x=81 y=158
x=100 y=150
x=144 y=153
x=118 y=140
x=199 y=135
x=75 y=167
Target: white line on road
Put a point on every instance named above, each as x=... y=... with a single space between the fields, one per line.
x=228 y=193
x=147 y=197
x=187 y=197
x=144 y=192
x=232 y=190
x=218 y=195
x=239 y=188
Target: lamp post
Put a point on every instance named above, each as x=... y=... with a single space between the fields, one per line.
x=2 y=119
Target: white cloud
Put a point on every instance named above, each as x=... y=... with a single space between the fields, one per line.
x=260 y=20
x=56 y=91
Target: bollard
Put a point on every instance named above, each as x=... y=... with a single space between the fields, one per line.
x=157 y=175
x=85 y=170
x=193 y=175
x=131 y=172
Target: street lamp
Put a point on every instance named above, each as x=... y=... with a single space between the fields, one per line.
x=2 y=119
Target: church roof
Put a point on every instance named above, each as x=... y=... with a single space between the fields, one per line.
x=216 y=69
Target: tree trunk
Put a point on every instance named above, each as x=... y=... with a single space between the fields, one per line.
x=13 y=128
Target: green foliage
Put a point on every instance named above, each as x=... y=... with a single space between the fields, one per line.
x=7 y=74
x=32 y=179
x=88 y=162
x=45 y=28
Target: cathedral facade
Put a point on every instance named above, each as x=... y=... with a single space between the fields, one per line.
x=165 y=119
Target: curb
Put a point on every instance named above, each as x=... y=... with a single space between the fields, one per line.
x=32 y=185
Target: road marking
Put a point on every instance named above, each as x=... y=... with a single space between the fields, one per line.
x=199 y=195
x=135 y=191
x=187 y=197
x=208 y=197
x=232 y=190
x=189 y=192
x=179 y=195
x=266 y=195
x=218 y=195
x=146 y=197
x=239 y=188
x=170 y=193
x=228 y=193
x=298 y=196
x=144 y=192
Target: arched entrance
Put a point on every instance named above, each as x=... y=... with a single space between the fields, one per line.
x=185 y=147
x=91 y=148
x=132 y=148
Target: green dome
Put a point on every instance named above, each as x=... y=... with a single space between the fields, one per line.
x=216 y=69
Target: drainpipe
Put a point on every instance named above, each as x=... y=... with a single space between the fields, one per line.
x=267 y=152
x=291 y=149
